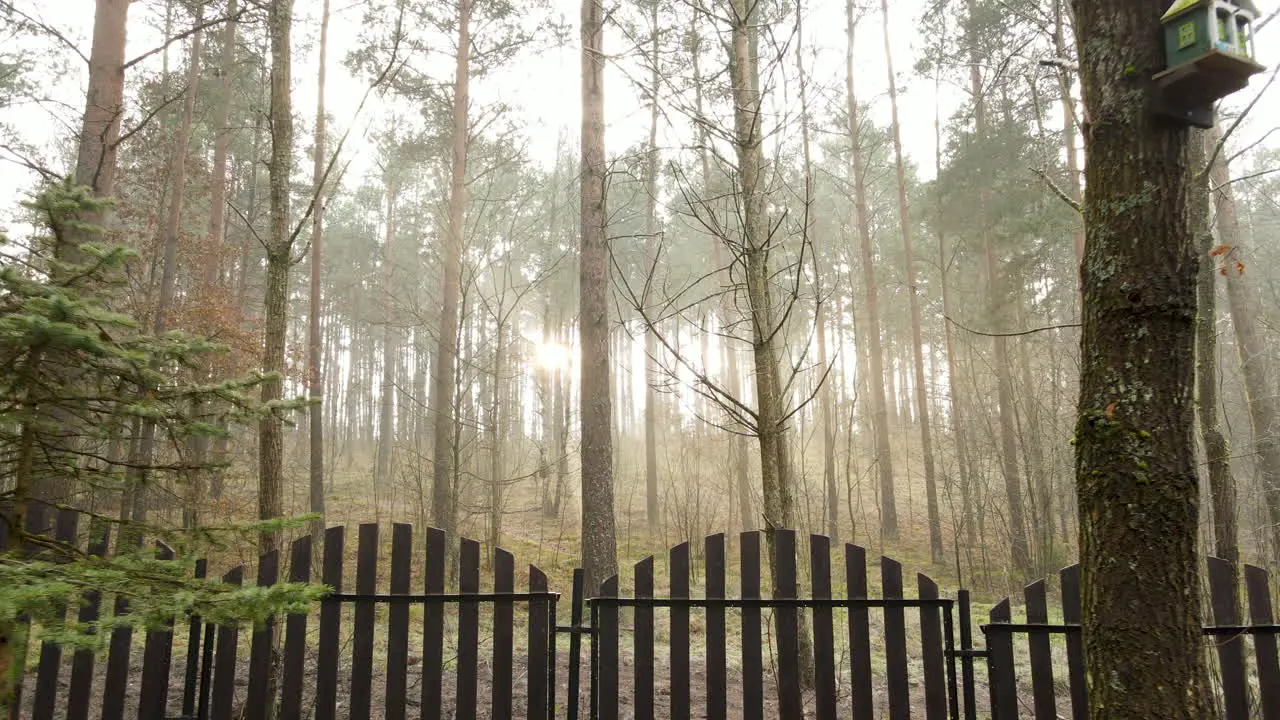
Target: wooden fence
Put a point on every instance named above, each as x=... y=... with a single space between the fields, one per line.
x=412 y=642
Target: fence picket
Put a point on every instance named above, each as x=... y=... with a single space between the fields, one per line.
x=82 y=663
x=895 y=641
x=717 y=660
x=540 y=632
x=935 y=688
x=643 y=667
x=433 y=627
x=679 y=571
x=153 y=696
x=330 y=626
x=191 y=674
x=1070 y=579
x=295 y=636
x=362 y=639
x=607 y=697
x=1004 y=688
x=1223 y=595
x=224 y=672
x=966 y=663
x=1046 y=706
x=855 y=574
x=468 y=630
x=504 y=581
x=1264 y=646
x=263 y=647
x=752 y=645
x=50 y=666
x=787 y=619
x=398 y=621
x=824 y=653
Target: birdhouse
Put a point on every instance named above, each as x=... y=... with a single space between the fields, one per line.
x=1209 y=51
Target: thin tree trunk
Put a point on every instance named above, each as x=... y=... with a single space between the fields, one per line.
x=599 y=538
x=1255 y=365
x=651 y=252
x=997 y=297
x=444 y=375
x=917 y=341
x=279 y=260
x=875 y=351
x=1135 y=462
x=221 y=141
x=390 y=351
x=315 y=338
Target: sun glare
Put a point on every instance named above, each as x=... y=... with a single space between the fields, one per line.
x=552 y=356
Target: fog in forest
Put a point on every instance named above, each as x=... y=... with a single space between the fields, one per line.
x=809 y=264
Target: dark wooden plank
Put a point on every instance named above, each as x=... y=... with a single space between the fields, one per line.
x=752 y=643
x=1004 y=687
x=643 y=666
x=82 y=663
x=433 y=627
x=607 y=697
x=824 y=653
x=895 y=641
x=1223 y=595
x=258 y=705
x=1045 y=704
x=855 y=574
x=541 y=627
x=206 y=671
x=51 y=653
x=468 y=630
x=398 y=622
x=37 y=525
x=1264 y=646
x=362 y=638
x=153 y=696
x=1070 y=579
x=717 y=658
x=117 y=676
x=787 y=622
x=576 y=607
x=504 y=581
x=191 y=674
x=293 y=668
x=330 y=626
x=931 y=650
x=680 y=692
x=224 y=670
x=967 y=683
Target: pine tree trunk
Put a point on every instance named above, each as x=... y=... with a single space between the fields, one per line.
x=1251 y=346
x=221 y=142
x=279 y=261
x=997 y=297
x=390 y=351
x=315 y=339
x=877 y=379
x=651 y=252
x=599 y=538
x=1135 y=462
x=917 y=341
x=444 y=375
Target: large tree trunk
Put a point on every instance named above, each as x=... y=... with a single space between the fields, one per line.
x=599 y=540
x=279 y=260
x=651 y=251
x=444 y=369
x=1251 y=346
x=315 y=339
x=917 y=341
x=1135 y=462
x=875 y=350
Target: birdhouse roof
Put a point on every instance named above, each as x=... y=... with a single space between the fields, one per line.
x=1184 y=6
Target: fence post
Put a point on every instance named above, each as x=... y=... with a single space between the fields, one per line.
x=51 y=653
x=1223 y=594
x=156 y=655
x=575 y=642
x=1004 y=690
x=966 y=661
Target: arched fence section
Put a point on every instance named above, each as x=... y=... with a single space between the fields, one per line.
x=425 y=627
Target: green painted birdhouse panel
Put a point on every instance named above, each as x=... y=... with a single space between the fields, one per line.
x=1187 y=37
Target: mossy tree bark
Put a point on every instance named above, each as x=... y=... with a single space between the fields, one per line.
x=1136 y=474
